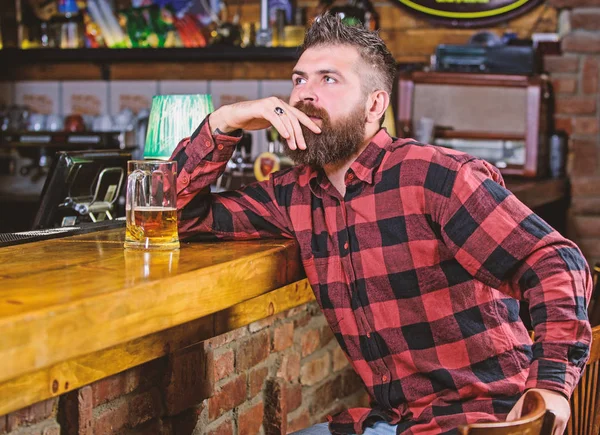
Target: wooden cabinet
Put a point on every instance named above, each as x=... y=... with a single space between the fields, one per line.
x=504 y=119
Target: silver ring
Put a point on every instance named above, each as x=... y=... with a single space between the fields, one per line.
x=279 y=111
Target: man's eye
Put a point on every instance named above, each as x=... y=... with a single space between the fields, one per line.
x=299 y=80
x=329 y=79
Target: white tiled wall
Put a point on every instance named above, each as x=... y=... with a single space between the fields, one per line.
x=172 y=87
x=233 y=91
x=41 y=97
x=100 y=97
x=85 y=98
x=134 y=95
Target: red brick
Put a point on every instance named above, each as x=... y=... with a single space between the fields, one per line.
x=586 y=205
x=586 y=226
x=585 y=20
x=561 y=64
x=575 y=105
x=228 y=337
x=315 y=369
x=256 y=380
x=585 y=186
x=586 y=125
x=251 y=419
x=188 y=378
x=289 y=368
x=339 y=359
x=564 y=85
x=223 y=428
x=325 y=395
x=283 y=336
x=78 y=410
x=310 y=342
x=253 y=350
x=114 y=386
x=47 y=427
x=581 y=42
x=266 y=322
x=31 y=414
x=590 y=247
x=183 y=423
x=51 y=428
x=275 y=412
x=292 y=312
x=573 y=3
x=127 y=412
x=302 y=321
x=564 y=123
x=584 y=160
x=227 y=397
x=299 y=421
x=351 y=383
x=326 y=335
x=590 y=75
x=293 y=396
x=223 y=364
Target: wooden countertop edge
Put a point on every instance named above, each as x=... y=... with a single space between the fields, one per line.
x=39 y=339
x=65 y=376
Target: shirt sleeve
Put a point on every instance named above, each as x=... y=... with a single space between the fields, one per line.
x=502 y=243
x=249 y=213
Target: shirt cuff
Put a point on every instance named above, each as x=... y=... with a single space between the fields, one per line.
x=553 y=375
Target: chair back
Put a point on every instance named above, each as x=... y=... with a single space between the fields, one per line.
x=534 y=420
x=585 y=401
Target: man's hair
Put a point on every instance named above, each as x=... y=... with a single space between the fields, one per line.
x=380 y=65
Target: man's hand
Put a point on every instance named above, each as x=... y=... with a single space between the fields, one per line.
x=555 y=402
x=259 y=114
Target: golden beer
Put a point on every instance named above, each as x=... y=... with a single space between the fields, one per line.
x=151 y=227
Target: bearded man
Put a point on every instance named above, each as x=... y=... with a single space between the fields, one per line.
x=417 y=254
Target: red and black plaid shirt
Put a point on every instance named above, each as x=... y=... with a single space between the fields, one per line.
x=418 y=270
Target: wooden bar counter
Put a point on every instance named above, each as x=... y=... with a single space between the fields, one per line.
x=77 y=309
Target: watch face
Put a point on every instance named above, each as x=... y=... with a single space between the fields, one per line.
x=468 y=13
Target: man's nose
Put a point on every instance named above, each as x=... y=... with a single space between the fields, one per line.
x=307 y=93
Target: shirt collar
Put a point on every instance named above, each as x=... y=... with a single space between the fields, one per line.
x=363 y=167
x=370 y=158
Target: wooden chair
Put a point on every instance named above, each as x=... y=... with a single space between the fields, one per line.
x=585 y=401
x=594 y=306
x=535 y=420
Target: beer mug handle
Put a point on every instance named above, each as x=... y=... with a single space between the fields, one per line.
x=132 y=181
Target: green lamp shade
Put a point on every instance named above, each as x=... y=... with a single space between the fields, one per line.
x=172 y=118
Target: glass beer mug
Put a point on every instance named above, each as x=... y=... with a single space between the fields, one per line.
x=151 y=207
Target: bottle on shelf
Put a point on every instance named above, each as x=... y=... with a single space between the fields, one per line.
x=68 y=25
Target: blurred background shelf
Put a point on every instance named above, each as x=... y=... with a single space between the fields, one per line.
x=213 y=62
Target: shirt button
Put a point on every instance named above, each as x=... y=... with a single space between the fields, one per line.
x=350 y=177
x=368 y=335
x=207 y=143
x=185 y=179
x=384 y=378
x=220 y=147
x=346 y=245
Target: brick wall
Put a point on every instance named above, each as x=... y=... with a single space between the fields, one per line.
x=273 y=376
x=576 y=74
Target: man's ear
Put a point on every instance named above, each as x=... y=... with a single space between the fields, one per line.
x=377 y=104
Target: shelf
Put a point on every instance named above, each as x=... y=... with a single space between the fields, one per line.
x=12 y=56
x=210 y=63
x=59 y=140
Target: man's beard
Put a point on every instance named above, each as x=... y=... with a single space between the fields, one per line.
x=336 y=143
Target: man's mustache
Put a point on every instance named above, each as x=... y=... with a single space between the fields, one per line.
x=311 y=110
